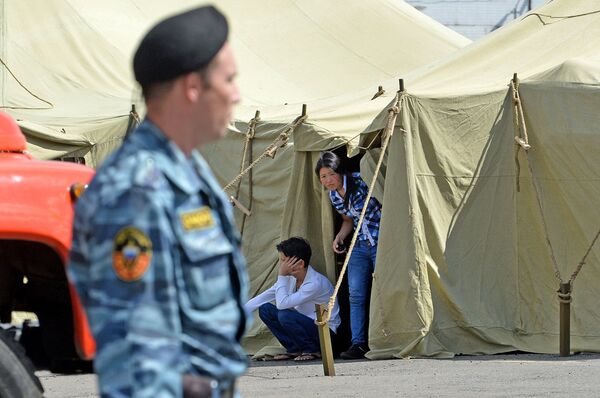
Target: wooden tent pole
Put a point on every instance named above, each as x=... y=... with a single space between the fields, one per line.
x=565 y=319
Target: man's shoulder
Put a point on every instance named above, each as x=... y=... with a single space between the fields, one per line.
x=131 y=166
x=123 y=176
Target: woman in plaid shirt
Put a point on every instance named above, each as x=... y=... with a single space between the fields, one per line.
x=347 y=192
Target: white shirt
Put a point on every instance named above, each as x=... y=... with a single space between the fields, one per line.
x=316 y=289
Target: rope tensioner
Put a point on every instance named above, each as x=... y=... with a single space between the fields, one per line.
x=393 y=112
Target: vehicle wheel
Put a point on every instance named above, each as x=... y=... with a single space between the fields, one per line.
x=17 y=377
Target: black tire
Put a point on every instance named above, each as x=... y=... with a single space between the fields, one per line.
x=17 y=374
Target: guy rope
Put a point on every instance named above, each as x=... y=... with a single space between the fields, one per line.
x=393 y=112
x=279 y=142
x=565 y=288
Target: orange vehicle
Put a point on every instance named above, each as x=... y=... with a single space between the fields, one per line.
x=36 y=213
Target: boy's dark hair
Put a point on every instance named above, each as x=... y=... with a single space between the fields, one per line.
x=296 y=247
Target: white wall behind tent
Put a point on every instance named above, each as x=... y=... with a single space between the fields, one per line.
x=475 y=18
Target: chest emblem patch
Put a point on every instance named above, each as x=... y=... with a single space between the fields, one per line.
x=132 y=252
x=197 y=219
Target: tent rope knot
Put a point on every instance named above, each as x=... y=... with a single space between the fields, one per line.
x=394 y=110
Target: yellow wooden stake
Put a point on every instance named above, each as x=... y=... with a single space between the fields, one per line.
x=325 y=339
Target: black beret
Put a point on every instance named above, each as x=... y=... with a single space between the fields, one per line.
x=180 y=44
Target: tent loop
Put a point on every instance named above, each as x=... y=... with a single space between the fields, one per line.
x=393 y=112
x=24 y=88
x=279 y=142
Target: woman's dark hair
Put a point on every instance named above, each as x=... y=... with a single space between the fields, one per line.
x=296 y=247
x=332 y=161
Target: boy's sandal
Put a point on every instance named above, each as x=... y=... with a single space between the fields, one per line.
x=308 y=356
x=286 y=357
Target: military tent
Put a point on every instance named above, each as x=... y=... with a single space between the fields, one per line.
x=476 y=233
x=66 y=77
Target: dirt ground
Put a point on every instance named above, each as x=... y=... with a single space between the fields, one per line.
x=514 y=375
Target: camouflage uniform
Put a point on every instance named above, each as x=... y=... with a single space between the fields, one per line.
x=157 y=264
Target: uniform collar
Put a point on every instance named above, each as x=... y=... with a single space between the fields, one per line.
x=177 y=167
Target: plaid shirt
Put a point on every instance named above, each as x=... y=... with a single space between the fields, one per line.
x=369 y=230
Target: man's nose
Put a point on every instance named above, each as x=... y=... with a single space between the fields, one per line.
x=235 y=96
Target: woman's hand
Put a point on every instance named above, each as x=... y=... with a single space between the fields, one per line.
x=338 y=245
x=346 y=229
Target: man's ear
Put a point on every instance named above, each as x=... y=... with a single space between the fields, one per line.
x=301 y=262
x=193 y=87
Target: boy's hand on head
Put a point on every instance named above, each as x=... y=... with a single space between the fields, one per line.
x=288 y=265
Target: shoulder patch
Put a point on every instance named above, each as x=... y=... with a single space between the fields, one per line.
x=132 y=252
x=197 y=219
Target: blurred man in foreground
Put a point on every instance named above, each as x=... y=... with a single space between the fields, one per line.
x=155 y=258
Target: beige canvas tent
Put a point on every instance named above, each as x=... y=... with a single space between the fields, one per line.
x=463 y=265
x=339 y=104
x=66 y=78
x=66 y=71
x=61 y=80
